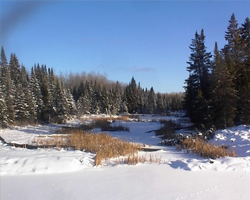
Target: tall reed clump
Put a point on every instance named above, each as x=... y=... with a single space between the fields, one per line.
x=204 y=149
x=102 y=144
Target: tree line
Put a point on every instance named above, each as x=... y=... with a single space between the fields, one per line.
x=217 y=91
x=42 y=96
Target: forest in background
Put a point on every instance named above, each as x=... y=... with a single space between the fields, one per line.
x=217 y=91
x=42 y=96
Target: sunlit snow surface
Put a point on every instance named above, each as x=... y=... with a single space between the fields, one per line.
x=68 y=174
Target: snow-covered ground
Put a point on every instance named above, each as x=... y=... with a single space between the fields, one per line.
x=67 y=174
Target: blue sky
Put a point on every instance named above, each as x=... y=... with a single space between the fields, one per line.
x=148 y=40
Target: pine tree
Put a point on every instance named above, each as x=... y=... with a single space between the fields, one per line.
x=140 y=108
x=116 y=99
x=36 y=94
x=20 y=105
x=197 y=85
x=244 y=88
x=14 y=67
x=234 y=56
x=3 y=61
x=105 y=105
x=145 y=101
x=233 y=46
x=8 y=91
x=42 y=77
x=52 y=88
x=29 y=103
x=131 y=96
x=159 y=103
x=60 y=104
x=223 y=93
x=151 y=101
x=95 y=99
x=71 y=103
x=3 y=108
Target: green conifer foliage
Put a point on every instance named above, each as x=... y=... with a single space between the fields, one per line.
x=223 y=94
x=197 y=85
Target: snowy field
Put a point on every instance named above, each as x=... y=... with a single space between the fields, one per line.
x=67 y=174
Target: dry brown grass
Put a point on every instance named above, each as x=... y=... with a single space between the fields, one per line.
x=58 y=141
x=102 y=144
x=133 y=159
x=204 y=149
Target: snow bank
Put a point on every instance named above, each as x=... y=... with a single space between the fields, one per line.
x=66 y=174
x=45 y=161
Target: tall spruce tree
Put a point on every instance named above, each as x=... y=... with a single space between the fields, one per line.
x=70 y=103
x=131 y=96
x=234 y=57
x=36 y=94
x=116 y=99
x=223 y=94
x=151 y=101
x=60 y=105
x=197 y=95
x=29 y=102
x=21 y=103
x=42 y=75
x=3 y=108
x=14 y=67
x=8 y=90
x=244 y=89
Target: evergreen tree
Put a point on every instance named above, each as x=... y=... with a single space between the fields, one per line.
x=84 y=101
x=233 y=46
x=8 y=91
x=60 y=105
x=105 y=105
x=53 y=97
x=140 y=99
x=151 y=101
x=20 y=105
x=96 y=96
x=234 y=56
x=36 y=94
x=45 y=91
x=116 y=99
x=197 y=85
x=159 y=104
x=3 y=61
x=29 y=102
x=176 y=103
x=131 y=96
x=223 y=93
x=71 y=103
x=14 y=67
x=80 y=106
x=244 y=87
x=3 y=108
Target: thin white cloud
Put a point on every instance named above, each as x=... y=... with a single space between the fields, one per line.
x=141 y=69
